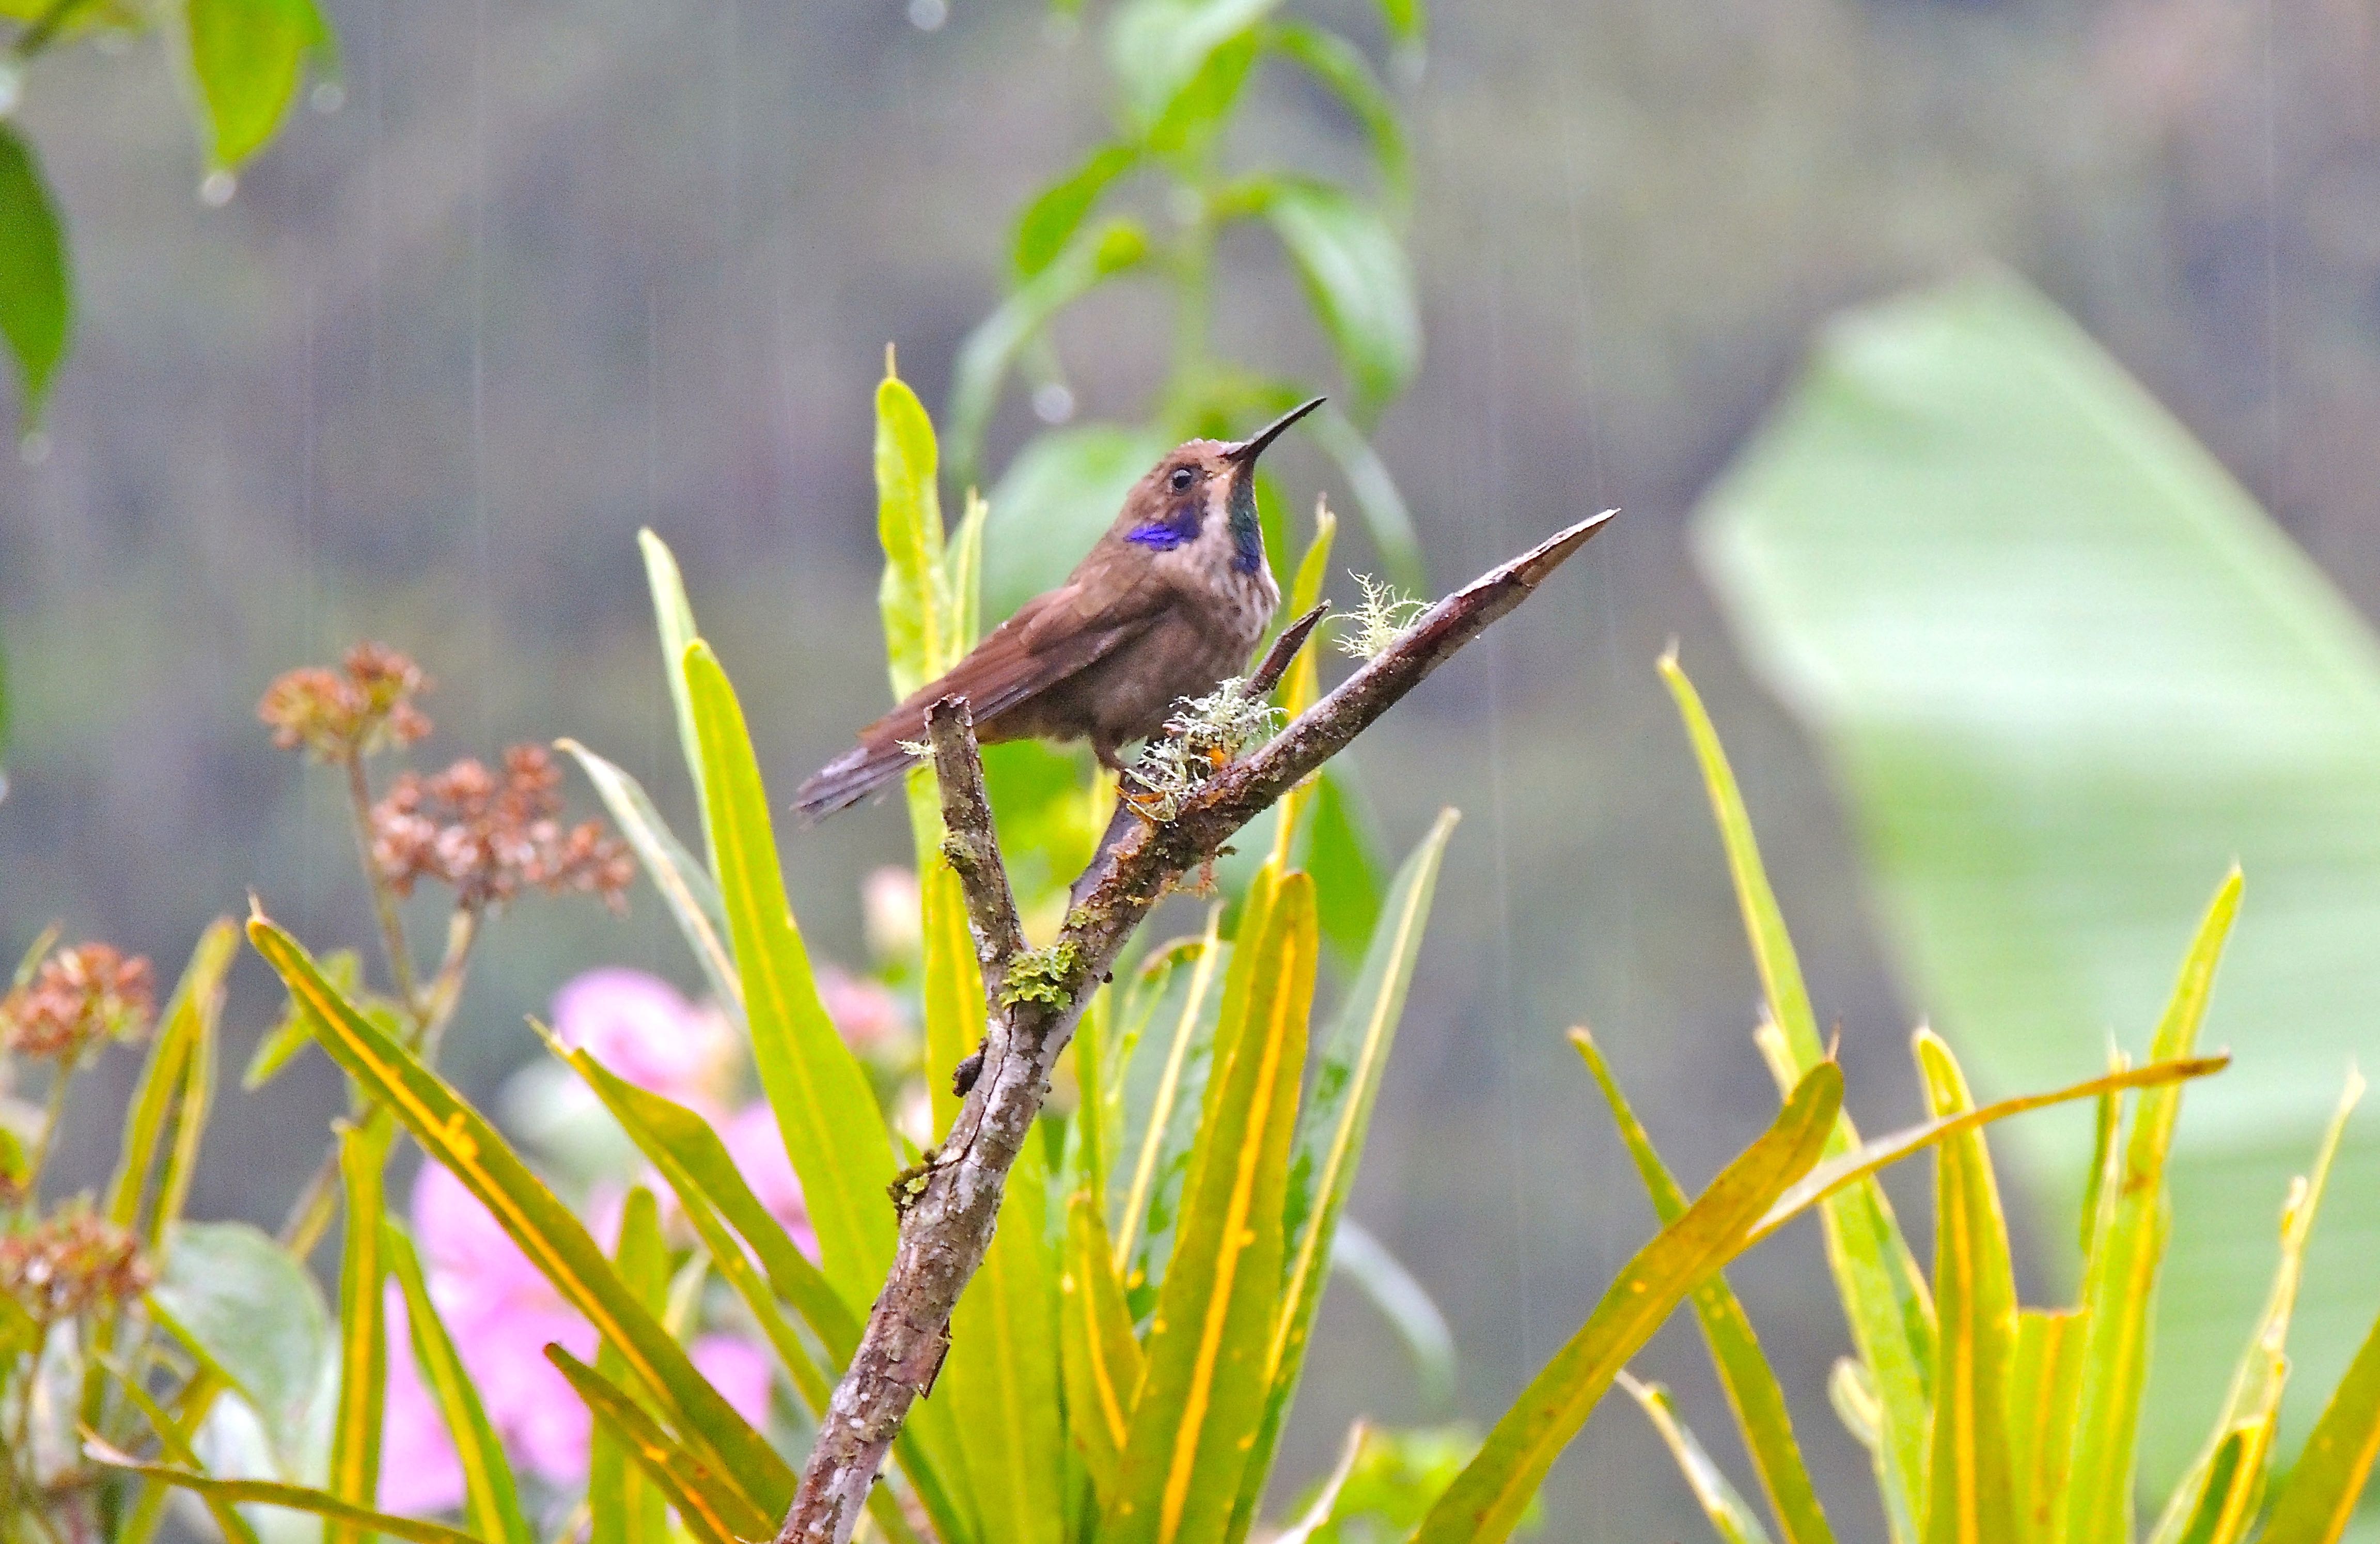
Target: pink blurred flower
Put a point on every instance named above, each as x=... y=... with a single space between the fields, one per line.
x=644 y=1030
x=864 y=1013
x=758 y=1146
x=739 y=1369
x=888 y=909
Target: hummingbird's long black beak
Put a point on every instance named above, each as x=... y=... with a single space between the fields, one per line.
x=1247 y=450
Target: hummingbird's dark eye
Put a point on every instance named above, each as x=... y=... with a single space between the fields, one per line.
x=1181 y=479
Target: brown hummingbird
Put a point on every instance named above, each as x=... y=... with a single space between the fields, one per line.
x=1168 y=605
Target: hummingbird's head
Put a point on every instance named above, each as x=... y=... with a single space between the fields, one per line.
x=1205 y=485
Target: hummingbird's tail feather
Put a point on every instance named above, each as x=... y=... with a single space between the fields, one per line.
x=852 y=776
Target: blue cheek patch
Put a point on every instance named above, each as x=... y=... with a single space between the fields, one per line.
x=1158 y=535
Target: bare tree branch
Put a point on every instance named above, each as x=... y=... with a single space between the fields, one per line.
x=1036 y=997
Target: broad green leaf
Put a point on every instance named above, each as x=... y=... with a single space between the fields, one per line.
x=2317 y=1500
x=706 y=1501
x=2065 y=672
x=1056 y=212
x=1341 y=65
x=1721 y=1503
x=1489 y=1498
x=685 y=886
x=1186 y=132
x=36 y=294
x=176 y=1084
x=1164 y=1091
x=909 y=524
x=2047 y=1360
x=363 y=1325
x=626 y=1504
x=2253 y=1403
x=1970 y=1494
x=1001 y=1375
x=1358 y=280
x=1102 y=1357
x=1884 y=1298
x=824 y=1103
x=1156 y=48
x=1089 y=259
x=492 y=1496
x=952 y=989
x=1058 y=496
x=555 y=1241
x=298 y=1498
x=1329 y=1141
x=1744 y=1368
x=673 y=621
x=1203 y=1393
x=2119 y=1277
x=247 y=57
x=250 y=1311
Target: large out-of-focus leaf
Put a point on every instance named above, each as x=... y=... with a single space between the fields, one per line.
x=36 y=301
x=321 y=1504
x=1330 y=1143
x=1731 y=1515
x=824 y=1104
x=2066 y=671
x=673 y=621
x=2119 y=1273
x=909 y=525
x=1884 y=1298
x=556 y=1241
x=1203 y=1393
x=491 y=1494
x=363 y=1326
x=2318 y=1499
x=1743 y=1369
x=1358 y=279
x=1157 y=47
x=1489 y=1498
x=1056 y=212
x=685 y=886
x=247 y=56
x=251 y=1313
x=1001 y=1376
x=1341 y=65
x=1059 y=495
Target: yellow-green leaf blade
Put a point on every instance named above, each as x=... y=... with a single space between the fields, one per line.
x=247 y=56
x=165 y=1088
x=1721 y=1503
x=685 y=886
x=298 y=1497
x=625 y=1505
x=490 y=1493
x=1487 y=1499
x=2318 y=1499
x=824 y=1104
x=1102 y=1357
x=36 y=287
x=1002 y=1377
x=2047 y=1360
x=673 y=621
x=909 y=524
x=706 y=1503
x=363 y=1326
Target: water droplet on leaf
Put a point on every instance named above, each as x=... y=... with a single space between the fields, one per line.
x=1053 y=402
x=215 y=190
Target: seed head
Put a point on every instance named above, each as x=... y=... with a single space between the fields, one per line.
x=339 y=715
x=492 y=836
x=77 y=998
x=70 y=1261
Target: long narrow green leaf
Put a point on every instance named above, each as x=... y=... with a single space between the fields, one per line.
x=2120 y=1271
x=298 y=1497
x=824 y=1104
x=453 y=1134
x=962 y=578
x=1884 y=1297
x=1300 y=687
x=706 y=1503
x=1102 y=1357
x=625 y=1504
x=1331 y=1132
x=1743 y=1369
x=174 y=1432
x=36 y=293
x=685 y=886
x=1970 y=1497
x=1203 y=1394
x=1721 y=1503
x=2048 y=1360
x=1487 y=1499
x=491 y=1494
x=1159 y=1128
x=2318 y=1499
x=909 y=524
x=953 y=987
x=673 y=621
x=166 y=1086
x=1001 y=1376
x=363 y=1326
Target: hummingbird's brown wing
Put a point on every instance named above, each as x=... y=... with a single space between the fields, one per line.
x=1051 y=638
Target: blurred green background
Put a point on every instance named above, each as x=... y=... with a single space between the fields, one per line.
x=551 y=272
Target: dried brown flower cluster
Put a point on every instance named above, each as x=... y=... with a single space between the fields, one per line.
x=71 y=1261
x=492 y=836
x=80 y=997
x=340 y=715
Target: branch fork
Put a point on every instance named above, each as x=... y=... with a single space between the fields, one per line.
x=954 y=1201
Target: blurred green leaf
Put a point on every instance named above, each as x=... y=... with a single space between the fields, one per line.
x=248 y=1310
x=1407 y=19
x=1336 y=846
x=1058 y=496
x=291 y=1034
x=952 y=991
x=2066 y=671
x=176 y=1084
x=247 y=57
x=1164 y=1085
x=1156 y=48
x=1489 y=1498
x=1753 y=1390
x=492 y=1496
x=1204 y=1390
x=1721 y=1503
x=1398 y=1474
x=712 y=1510
x=173 y=1432
x=1089 y=259
x=962 y=565
x=625 y=1505
x=1365 y=1264
x=36 y=296
x=1318 y=1512
x=2048 y=1360
x=909 y=524
x=2317 y=1500
x=1058 y=211
x=1971 y=1494
x=556 y=1241
x=673 y=621
x=1101 y=1357
x=1194 y=117
x=298 y=1498
x=353 y=1474
x=685 y=886
x=1340 y=66
x=1358 y=277
x=1001 y=1376
x=824 y=1104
